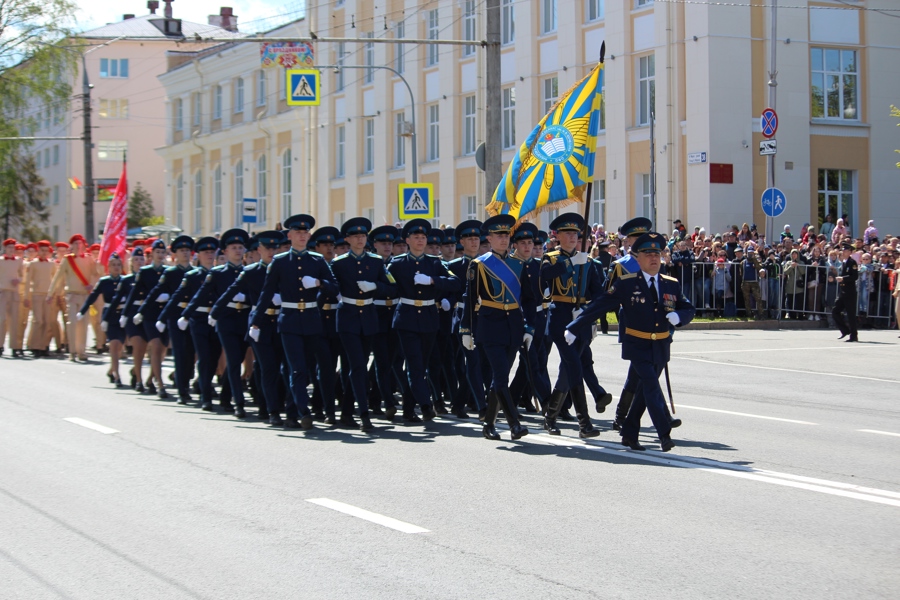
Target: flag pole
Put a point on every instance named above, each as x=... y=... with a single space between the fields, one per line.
x=589 y=190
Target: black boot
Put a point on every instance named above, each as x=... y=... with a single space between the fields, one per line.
x=516 y=429
x=585 y=427
x=622 y=409
x=553 y=407
x=490 y=415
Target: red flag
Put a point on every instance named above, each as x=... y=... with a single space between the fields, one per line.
x=116 y=221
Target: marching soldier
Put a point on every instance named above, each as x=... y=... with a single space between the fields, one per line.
x=134 y=334
x=75 y=277
x=322 y=364
x=139 y=299
x=38 y=275
x=654 y=306
x=469 y=234
x=846 y=301
x=385 y=346
x=12 y=271
x=106 y=289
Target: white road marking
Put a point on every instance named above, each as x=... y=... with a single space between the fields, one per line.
x=879 y=432
x=366 y=515
x=91 y=425
x=728 y=364
x=741 y=414
x=742 y=351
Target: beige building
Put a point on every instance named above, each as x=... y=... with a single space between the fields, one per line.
x=128 y=115
x=702 y=69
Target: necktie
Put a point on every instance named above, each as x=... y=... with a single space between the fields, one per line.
x=653 y=293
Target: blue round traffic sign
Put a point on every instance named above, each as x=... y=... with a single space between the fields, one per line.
x=768 y=122
x=773 y=202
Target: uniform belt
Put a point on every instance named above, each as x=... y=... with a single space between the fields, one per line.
x=182 y=305
x=299 y=305
x=238 y=305
x=271 y=311
x=357 y=301
x=137 y=302
x=646 y=336
x=386 y=302
x=541 y=307
x=202 y=309
x=507 y=306
x=566 y=299
x=412 y=302
x=329 y=307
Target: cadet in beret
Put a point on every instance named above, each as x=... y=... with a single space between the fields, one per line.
x=654 y=306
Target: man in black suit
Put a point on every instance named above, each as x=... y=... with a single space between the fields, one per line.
x=846 y=300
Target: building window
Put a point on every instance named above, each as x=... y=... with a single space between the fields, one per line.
x=436 y=221
x=640 y=3
x=179 y=114
x=287 y=172
x=217 y=102
x=340 y=140
x=111 y=150
x=369 y=73
x=507 y=22
x=262 y=187
x=399 y=140
x=370 y=214
x=369 y=147
x=57 y=114
x=198 y=201
x=645 y=190
x=47 y=118
x=37 y=160
x=598 y=202
x=238 y=193
x=509 y=117
x=55 y=195
x=646 y=88
x=239 y=95
x=113 y=109
x=836 y=194
x=594 y=10
x=56 y=154
x=339 y=60
x=434 y=132
x=261 y=88
x=551 y=93
x=548 y=16
x=433 y=34
x=469 y=31
x=114 y=68
x=198 y=108
x=400 y=33
x=179 y=202
x=46 y=157
x=469 y=125
x=217 y=198
x=471 y=204
x=835 y=82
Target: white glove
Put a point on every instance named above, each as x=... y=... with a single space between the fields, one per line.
x=467 y=342
x=445 y=305
x=137 y=319
x=570 y=337
x=527 y=339
x=104 y=326
x=239 y=297
x=309 y=282
x=254 y=334
x=123 y=321
x=673 y=318
x=182 y=323
x=365 y=286
x=422 y=279
x=577 y=313
x=79 y=316
x=212 y=322
x=162 y=298
x=160 y=326
x=593 y=331
x=579 y=258
x=276 y=299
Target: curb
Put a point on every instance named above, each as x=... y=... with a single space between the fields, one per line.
x=768 y=325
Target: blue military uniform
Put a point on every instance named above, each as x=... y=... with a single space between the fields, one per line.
x=649 y=301
x=441 y=374
x=385 y=343
x=139 y=303
x=105 y=287
x=420 y=281
x=471 y=370
x=494 y=320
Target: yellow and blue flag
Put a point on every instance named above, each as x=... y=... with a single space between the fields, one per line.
x=556 y=162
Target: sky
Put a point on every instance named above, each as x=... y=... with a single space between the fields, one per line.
x=253 y=15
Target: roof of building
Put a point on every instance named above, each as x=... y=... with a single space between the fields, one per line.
x=144 y=27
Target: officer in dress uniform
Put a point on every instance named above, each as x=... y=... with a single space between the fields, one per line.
x=323 y=364
x=265 y=340
x=469 y=234
x=360 y=276
x=385 y=348
x=495 y=320
x=846 y=301
x=134 y=334
x=115 y=336
x=654 y=306
x=441 y=375
x=144 y=282
x=205 y=341
x=420 y=279
x=571 y=279
x=297 y=277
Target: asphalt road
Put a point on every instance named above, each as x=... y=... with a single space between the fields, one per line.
x=785 y=483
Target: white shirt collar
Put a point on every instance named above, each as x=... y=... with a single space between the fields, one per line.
x=647 y=277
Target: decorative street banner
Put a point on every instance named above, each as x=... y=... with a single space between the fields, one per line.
x=286 y=54
x=106 y=189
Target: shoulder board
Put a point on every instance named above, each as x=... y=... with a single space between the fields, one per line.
x=209 y=277
x=341 y=257
x=628 y=276
x=170 y=269
x=251 y=267
x=373 y=255
x=456 y=260
x=162 y=278
x=194 y=271
x=552 y=253
x=316 y=254
x=219 y=268
x=281 y=255
x=667 y=278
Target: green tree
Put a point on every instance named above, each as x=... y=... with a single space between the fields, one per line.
x=26 y=211
x=140 y=208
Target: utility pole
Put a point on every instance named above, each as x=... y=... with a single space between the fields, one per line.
x=773 y=83
x=88 y=156
x=493 y=123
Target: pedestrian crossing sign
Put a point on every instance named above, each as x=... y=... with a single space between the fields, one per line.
x=416 y=201
x=302 y=87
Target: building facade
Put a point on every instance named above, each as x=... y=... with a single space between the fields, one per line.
x=701 y=70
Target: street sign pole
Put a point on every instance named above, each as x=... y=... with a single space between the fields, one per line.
x=773 y=84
